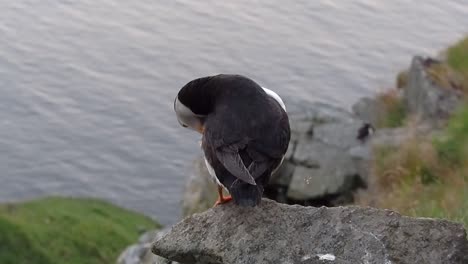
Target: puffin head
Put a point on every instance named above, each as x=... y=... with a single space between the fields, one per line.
x=187 y=118
x=192 y=105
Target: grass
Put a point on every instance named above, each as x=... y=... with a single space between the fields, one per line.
x=402 y=79
x=393 y=113
x=454 y=72
x=453 y=145
x=424 y=177
x=457 y=57
x=67 y=230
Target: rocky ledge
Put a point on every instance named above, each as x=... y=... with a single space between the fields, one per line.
x=279 y=233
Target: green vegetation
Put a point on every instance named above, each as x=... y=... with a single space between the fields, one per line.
x=453 y=146
x=419 y=179
x=454 y=73
x=402 y=79
x=427 y=177
x=67 y=230
x=457 y=57
x=393 y=112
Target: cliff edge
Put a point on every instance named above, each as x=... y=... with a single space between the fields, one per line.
x=279 y=233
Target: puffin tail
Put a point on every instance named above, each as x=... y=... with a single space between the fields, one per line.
x=245 y=194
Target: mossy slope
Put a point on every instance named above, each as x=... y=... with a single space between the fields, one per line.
x=66 y=230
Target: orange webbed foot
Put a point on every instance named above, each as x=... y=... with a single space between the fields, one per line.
x=223 y=200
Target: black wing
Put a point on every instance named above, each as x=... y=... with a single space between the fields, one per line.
x=230 y=158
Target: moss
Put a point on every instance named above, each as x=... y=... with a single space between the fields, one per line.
x=67 y=230
x=402 y=79
x=457 y=57
x=418 y=179
x=396 y=115
x=452 y=146
x=393 y=113
x=453 y=73
x=16 y=246
x=426 y=177
x=446 y=77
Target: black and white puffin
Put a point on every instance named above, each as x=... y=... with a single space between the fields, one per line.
x=365 y=131
x=245 y=132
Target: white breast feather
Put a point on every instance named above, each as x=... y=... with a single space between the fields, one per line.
x=213 y=173
x=275 y=96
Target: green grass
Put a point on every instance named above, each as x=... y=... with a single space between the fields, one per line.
x=452 y=146
x=433 y=206
x=425 y=177
x=402 y=79
x=393 y=113
x=396 y=115
x=457 y=56
x=67 y=230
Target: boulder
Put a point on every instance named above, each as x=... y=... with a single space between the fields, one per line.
x=424 y=98
x=370 y=110
x=278 y=233
x=140 y=252
x=322 y=156
x=320 y=163
x=200 y=190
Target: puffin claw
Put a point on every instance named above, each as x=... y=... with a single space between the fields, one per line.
x=222 y=201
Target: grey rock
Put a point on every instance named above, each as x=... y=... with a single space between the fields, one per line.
x=426 y=99
x=362 y=156
x=319 y=113
x=284 y=174
x=394 y=137
x=340 y=135
x=391 y=137
x=318 y=153
x=133 y=254
x=369 y=110
x=324 y=163
x=140 y=253
x=200 y=190
x=277 y=233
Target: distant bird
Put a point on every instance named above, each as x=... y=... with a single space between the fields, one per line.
x=245 y=132
x=365 y=131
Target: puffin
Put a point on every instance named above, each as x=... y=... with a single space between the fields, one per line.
x=245 y=132
x=364 y=132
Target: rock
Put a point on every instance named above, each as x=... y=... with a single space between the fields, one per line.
x=319 y=163
x=200 y=190
x=426 y=99
x=370 y=110
x=325 y=172
x=277 y=233
x=324 y=164
x=322 y=136
x=283 y=175
x=133 y=254
x=394 y=137
x=140 y=253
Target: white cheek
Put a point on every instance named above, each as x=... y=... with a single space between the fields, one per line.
x=186 y=116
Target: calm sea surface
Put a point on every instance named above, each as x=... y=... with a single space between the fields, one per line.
x=86 y=87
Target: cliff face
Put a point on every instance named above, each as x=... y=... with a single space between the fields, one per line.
x=278 y=233
x=325 y=165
